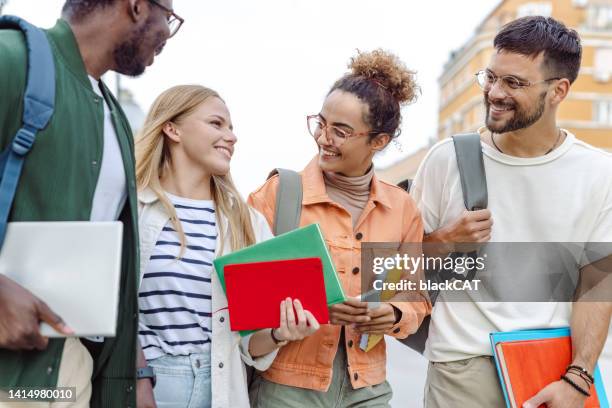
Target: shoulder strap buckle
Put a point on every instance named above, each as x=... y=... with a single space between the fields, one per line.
x=23 y=141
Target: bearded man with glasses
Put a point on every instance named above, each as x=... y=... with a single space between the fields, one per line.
x=80 y=169
x=544 y=185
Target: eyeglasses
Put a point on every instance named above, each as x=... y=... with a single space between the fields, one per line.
x=335 y=135
x=174 y=21
x=486 y=79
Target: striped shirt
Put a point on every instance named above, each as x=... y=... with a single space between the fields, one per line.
x=175 y=294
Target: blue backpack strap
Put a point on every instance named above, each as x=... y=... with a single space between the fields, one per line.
x=38 y=105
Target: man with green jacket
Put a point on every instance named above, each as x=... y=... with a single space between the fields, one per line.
x=81 y=168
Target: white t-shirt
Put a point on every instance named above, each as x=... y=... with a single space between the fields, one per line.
x=111 y=191
x=564 y=196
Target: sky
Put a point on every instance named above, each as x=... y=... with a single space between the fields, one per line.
x=273 y=61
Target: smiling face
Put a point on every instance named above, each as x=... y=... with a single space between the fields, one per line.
x=509 y=110
x=354 y=157
x=204 y=139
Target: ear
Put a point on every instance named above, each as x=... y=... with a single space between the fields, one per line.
x=380 y=141
x=136 y=9
x=560 y=91
x=172 y=132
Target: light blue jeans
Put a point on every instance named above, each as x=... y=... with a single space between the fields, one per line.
x=182 y=381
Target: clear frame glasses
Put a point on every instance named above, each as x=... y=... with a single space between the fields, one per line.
x=335 y=135
x=174 y=20
x=485 y=79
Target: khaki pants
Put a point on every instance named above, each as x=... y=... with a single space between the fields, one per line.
x=76 y=368
x=465 y=383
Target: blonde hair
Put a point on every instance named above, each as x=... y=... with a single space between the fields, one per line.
x=153 y=159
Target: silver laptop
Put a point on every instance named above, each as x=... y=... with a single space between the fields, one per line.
x=74 y=267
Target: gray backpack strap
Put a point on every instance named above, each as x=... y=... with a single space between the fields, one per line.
x=474 y=185
x=471 y=171
x=288 y=201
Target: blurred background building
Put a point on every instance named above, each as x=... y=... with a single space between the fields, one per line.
x=2 y=3
x=587 y=111
x=124 y=95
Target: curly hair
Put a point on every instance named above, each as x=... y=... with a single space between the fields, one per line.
x=382 y=81
x=76 y=10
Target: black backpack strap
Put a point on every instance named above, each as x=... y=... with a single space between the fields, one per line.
x=405 y=184
x=288 y=201
x=471 y=171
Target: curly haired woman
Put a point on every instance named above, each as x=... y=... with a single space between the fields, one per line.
x=359 y=118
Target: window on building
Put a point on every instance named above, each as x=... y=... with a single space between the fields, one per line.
x=542 y=8
x=602 y=70
x=599 y=16
x=603 y=112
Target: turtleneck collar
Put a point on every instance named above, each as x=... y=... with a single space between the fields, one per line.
x=352 y=193
x=354 y=186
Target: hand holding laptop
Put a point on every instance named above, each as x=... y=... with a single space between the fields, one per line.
x=20 y=315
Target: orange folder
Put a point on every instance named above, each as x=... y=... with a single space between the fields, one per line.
x=527 y=366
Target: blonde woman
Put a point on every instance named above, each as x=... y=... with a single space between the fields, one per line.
x=191 y=212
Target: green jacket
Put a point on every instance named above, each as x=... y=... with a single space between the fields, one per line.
x=57 y=184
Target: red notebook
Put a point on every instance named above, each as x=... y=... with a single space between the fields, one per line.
x=530 y=365
x=255 y=290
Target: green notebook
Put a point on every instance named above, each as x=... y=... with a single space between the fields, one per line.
x=305 y=242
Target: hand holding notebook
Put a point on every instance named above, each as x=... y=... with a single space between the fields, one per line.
x=529 y=360
x=296 y=323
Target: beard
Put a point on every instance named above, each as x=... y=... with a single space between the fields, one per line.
x=130 y=57
x=521 y=119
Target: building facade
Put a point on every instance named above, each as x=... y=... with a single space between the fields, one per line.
x=587 y=111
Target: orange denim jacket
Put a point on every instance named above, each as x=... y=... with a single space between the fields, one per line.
x=390 y=215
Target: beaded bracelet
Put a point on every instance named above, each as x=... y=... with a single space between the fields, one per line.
x=576 y=386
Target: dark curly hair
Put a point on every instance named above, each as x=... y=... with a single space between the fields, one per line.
x=531 y=36
x=76 y=10
x=383 y=83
